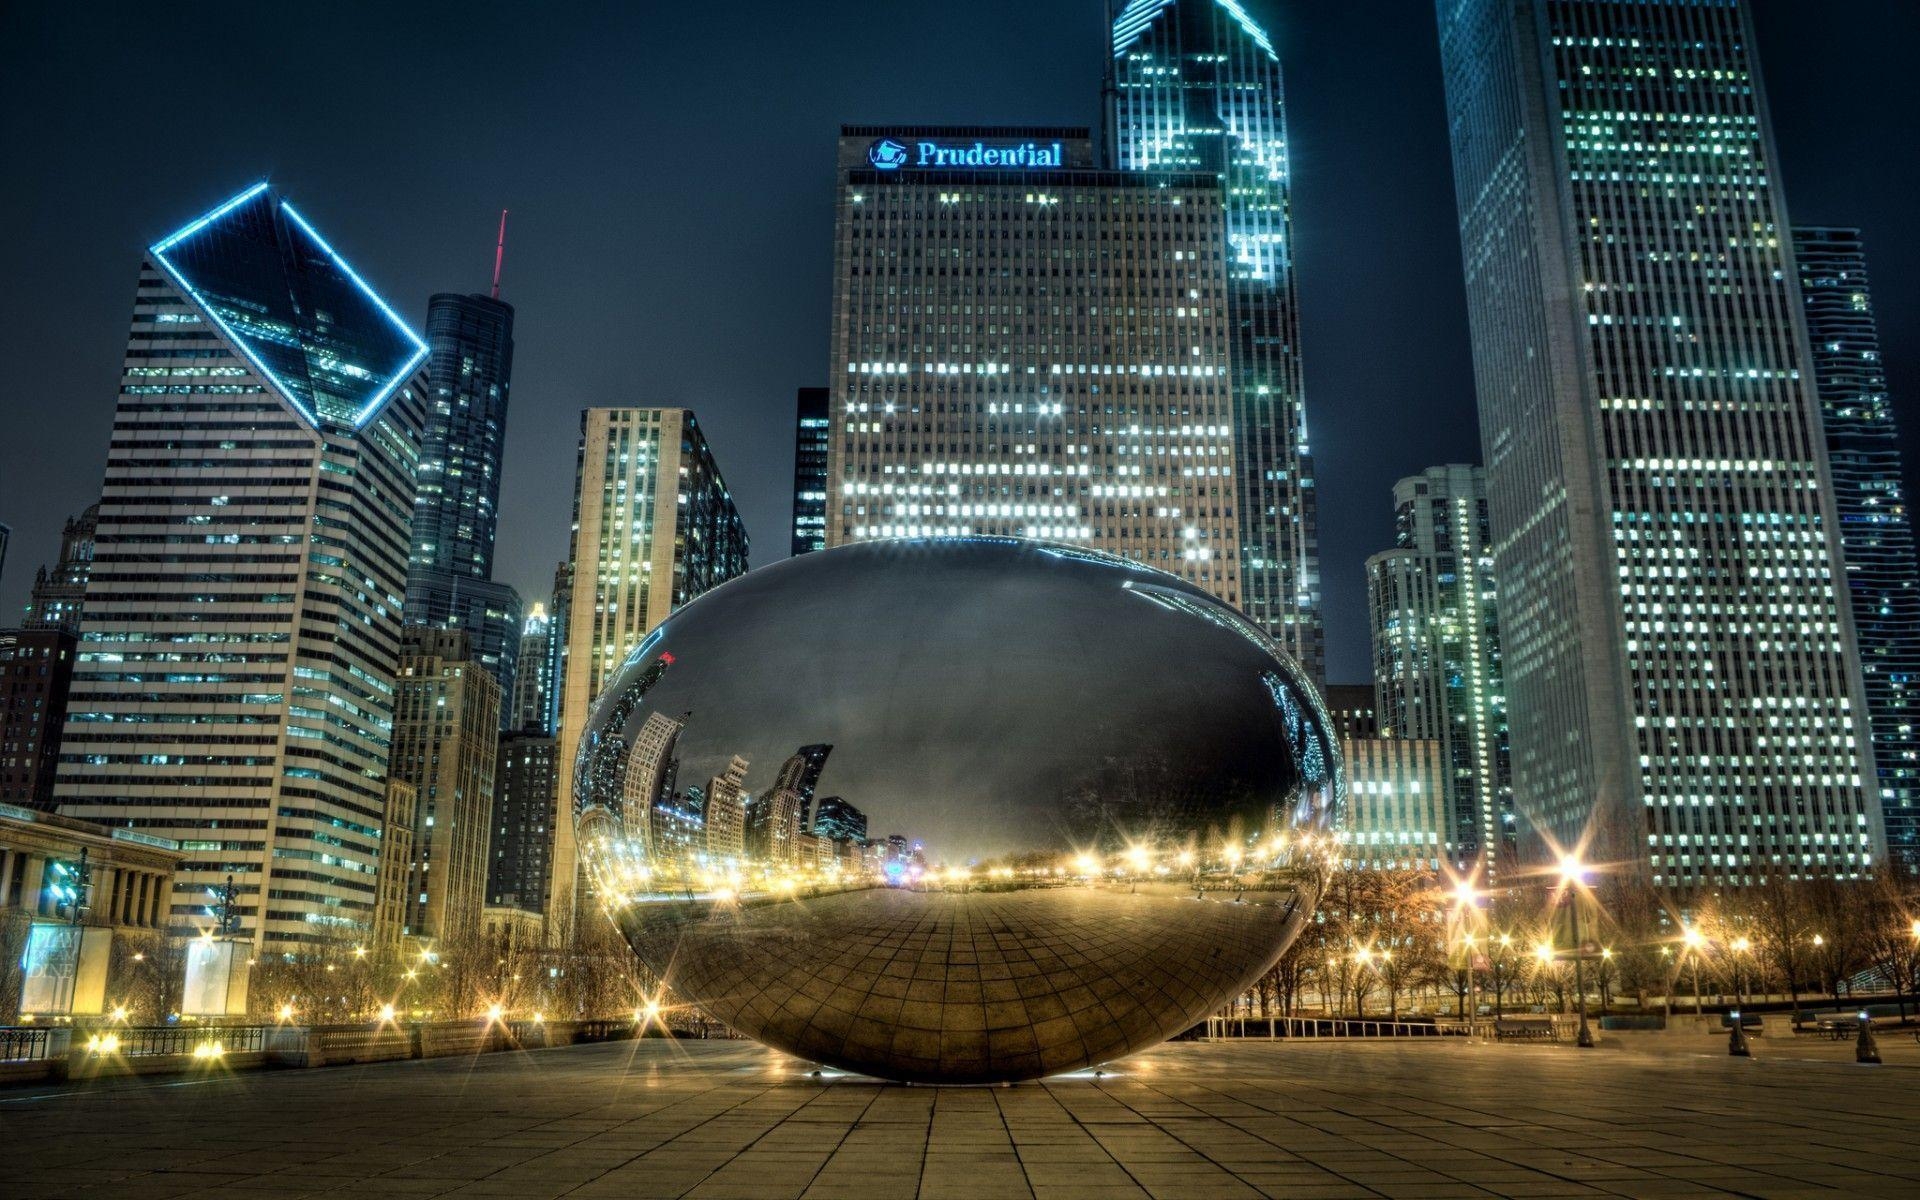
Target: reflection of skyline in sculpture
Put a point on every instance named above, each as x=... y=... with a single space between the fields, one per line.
x=1112 y=795
x=885 y=757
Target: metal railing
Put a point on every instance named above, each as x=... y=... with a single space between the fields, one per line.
x=21 y=1044
x=1326 y=1027
x=143 y=1041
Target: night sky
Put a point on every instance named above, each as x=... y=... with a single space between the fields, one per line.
x=669 y=171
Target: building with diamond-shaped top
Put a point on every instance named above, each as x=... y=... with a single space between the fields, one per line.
x=234 y=689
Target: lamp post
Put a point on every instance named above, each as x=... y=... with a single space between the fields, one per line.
x=1468 y=900
x=1695 y=941
x=1737 y=1040
x=1573 y=872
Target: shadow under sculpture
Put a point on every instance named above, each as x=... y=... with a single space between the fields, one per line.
x=956 y=810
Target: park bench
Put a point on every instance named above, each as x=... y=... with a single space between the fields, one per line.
x=1523 y=1029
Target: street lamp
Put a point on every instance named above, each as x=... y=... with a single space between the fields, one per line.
x=1572 y=874
x=1695 y=942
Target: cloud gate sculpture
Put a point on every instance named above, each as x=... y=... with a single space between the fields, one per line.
x=956 y=810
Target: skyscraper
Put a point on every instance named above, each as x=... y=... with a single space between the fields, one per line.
x=234 y=689
x=726 y=813
x=1396 y=813
x=524 y=783
x=60 y=594
x=446 y=727
x=533 y=675
x=836 y=820
x=810 y=441
x=1024 y=345
x=1876 y=533
x=653 y=527
x=456 y=515
x=1193 y=86
x=1436 y=655
x=36 y=672
x=1680 y=663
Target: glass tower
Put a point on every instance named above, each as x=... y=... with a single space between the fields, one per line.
x=1436 y=655
x=1682 y=684
x=810 y=442
x=1194 y=87
x=456 y=515
x=1876 y=536
x=234 y=688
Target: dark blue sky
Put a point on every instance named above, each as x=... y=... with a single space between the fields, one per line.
x=669 y=168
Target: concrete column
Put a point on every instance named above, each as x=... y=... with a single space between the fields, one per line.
x=7 y=858
x=32 y=883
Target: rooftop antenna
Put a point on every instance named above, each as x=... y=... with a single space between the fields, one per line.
x=499 y=253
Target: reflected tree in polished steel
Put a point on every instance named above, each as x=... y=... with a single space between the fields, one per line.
x=956 y=810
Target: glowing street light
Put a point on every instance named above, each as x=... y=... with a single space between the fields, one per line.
x=1573 y=874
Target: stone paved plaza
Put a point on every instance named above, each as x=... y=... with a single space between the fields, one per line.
x=729 y=1119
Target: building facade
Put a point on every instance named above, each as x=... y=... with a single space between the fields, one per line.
x=446 y=726
x=1351 y=705
x=1396 y=815
x=1683 y=688
x=60 y=593
x=1876 y=532
x=810 y=441
x=724 y=814
x=1194 y=86
x=525 y=782
x=533 y=676
x=234 y=684
x=36 y=671
x=653 y=527
x=456 y=514
x=1034 y=350
x=400 y=813
x=1436 y=655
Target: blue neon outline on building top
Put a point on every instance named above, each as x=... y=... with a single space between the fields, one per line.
x=1138 y=15
x=159 y=249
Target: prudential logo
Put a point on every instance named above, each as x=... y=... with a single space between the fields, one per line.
x=887 y=155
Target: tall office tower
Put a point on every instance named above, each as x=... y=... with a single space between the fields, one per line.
x=400 y=812
x=36 y=672
x=533 y=676
x=1436 y=655
x=725 y=813
x=1396 y=813
x=557 y=642
x=834 y=819
x=1026 y=346
x=800 y=774
x=649 y=779
x=811 y=437
x=60 y=594
x=653 y=527
x=774 y=826
x=1876 y=535
x=1680 y=664
x=524 y=780
x=1194 y=86
x=446 y=729
x=234 y=689
x=450 y=581
x=1351 y=705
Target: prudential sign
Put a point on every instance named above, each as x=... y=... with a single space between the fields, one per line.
x=889 y=155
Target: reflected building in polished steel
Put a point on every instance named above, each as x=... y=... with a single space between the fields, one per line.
x=1119 y=794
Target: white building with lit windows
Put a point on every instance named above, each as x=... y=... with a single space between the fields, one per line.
x=1682 y=681
x=1025 y=345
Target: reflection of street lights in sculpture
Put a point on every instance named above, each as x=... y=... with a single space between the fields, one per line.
x=1079 y=779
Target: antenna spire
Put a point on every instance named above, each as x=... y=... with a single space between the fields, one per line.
x=499 y=253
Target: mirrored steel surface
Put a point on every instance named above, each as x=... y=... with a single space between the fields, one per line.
x=956 y=810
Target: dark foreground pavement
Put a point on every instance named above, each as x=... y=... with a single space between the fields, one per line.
x=728 y=1119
